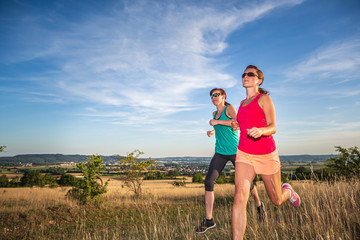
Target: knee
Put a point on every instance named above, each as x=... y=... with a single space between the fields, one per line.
x=240 y=198
x=209 y=185
x=276 y=201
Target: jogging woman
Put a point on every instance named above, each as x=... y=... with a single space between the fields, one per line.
x=256 y=152
x=225 y=150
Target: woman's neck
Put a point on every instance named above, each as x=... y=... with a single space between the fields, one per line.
x=220 y=107
x=252 y=92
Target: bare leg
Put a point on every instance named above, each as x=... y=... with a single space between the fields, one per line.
x=209 y=203
x=255 y=195
x=244 y=175
x=276 y=194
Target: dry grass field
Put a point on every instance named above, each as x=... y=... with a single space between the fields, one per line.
x=328 y=211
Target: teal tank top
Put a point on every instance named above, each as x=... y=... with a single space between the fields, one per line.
x=227 y=139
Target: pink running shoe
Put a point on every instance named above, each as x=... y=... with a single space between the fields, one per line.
x=295 y=198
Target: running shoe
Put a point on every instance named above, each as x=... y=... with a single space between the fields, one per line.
x=205 y=225
x=294 y=198
x=261 y=212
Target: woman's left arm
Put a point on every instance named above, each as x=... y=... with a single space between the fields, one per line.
x=230 y=110
x=267 y=105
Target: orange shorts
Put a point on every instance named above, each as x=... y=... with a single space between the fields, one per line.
x=267 y=164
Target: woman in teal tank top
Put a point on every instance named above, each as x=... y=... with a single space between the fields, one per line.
x=226 y=146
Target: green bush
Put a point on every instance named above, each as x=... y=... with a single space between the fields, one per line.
x=4 y=181
x=87 y=189
x=67 y=180
x=134 y=169
x=347 y=163
x=181 y=183
x=198 y=178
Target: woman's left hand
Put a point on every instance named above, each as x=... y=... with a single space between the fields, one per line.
x=213 y=122
x=254 y=132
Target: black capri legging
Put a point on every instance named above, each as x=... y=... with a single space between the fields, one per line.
x=216 y=166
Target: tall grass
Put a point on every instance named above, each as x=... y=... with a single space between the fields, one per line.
x=328 y=211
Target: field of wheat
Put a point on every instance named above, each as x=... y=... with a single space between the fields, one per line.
x=328 y=211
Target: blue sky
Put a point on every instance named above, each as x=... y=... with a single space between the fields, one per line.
x=108 y=77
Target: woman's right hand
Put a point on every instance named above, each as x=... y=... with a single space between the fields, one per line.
x=235 y=125
x=210 y=133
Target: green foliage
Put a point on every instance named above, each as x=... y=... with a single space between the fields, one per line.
x=180 y=183
x=284 y=177
x=87 y=189
x=154 y=175
x=173 y=173
x=54 y=171
x=67 y=180
x=134 y=169
x=4 y=181
x=302 y=173
x=2 y=148
x=198 y=178
x=34 y=178
x=347 y=163
x=222 y=178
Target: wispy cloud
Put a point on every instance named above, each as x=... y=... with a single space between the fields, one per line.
x=146 y=56
x=340 y=60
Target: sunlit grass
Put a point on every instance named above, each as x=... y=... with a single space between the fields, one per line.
x=328 y=211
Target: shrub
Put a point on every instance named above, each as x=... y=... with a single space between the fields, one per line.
x=134 y=169
x=67 y=180
x=181 y=183
x=198 y=178
x=347 y=164
x=32 y=178
x=87 y=189
x=4 y=181
x=222 y=178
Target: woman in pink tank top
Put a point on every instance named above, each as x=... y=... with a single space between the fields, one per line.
x=256 y=152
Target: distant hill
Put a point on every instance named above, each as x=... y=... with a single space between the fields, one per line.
x=304 y=158
x=50 y=159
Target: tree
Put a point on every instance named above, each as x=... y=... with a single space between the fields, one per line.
x=134 y=169
x=32 y=178
x=198 y=177
x=302 y=173
x=222 y=178
x=2 y=148
x=4 y=181
x=67 y=180
x=87 y=189
x=347 y=163
x=173 y=173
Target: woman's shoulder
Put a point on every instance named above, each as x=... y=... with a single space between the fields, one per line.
x=264 y=97
x=229 y=107
x=230 y=110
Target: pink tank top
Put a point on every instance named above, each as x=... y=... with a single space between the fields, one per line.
x=250 y=116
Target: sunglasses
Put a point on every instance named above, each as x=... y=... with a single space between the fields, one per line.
x=215 y=95
x=250 y=74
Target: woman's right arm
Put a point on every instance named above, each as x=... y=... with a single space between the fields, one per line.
x=230 y=111
x=210 y=133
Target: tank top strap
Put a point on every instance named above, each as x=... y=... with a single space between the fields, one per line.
x=258 y=96
x=256 y=99
x=223 y=112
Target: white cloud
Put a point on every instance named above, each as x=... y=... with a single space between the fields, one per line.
x=146 y=55
x=338 y=60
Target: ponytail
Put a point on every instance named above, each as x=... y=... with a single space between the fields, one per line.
x=263 y=91
x=260 y=76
